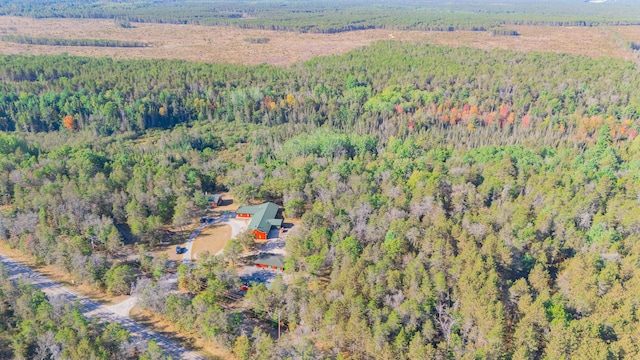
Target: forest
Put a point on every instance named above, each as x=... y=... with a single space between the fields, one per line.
x=33 y=326
x=71 y=42
x=456 y=203
x=337 y=15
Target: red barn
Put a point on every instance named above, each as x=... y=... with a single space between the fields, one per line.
x=263 y=218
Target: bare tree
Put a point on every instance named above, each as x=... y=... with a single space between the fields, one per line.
x=422 y=207
x=444 y=316
x=152 y=295
x=47 y=347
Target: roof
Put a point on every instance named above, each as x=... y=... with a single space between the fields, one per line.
x=214 y=198
x=263 y=216
x=270 y=260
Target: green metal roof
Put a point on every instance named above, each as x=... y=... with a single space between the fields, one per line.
x=270 y=260
x=263 y=216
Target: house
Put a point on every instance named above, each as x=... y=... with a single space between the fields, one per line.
x=270 y=261
x=263 y=218
x=215 y=200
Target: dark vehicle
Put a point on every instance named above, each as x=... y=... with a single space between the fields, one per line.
x=203 y=220
x=178 y=250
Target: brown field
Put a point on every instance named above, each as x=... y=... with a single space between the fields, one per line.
x=212 y=239
x=226 y=44
x=627 y=33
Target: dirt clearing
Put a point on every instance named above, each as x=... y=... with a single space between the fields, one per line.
x=218 y=44
x=170 y=250
x=212 y=239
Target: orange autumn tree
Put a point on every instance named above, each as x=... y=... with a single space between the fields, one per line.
x=69 y=122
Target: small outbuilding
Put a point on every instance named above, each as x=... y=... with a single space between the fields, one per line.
x=270 y=261
x=215 y=200
x=263 y=218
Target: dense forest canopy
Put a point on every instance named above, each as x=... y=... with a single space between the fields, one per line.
x=421 y=86
x=338 y=15
x=455 y=203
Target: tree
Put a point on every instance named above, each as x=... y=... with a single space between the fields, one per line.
x=351 y=248
x=151 y=295
x=118 y=279
x=247 y=239
x=232 y=251
x=69 y=122
x=154 y=352
x=263 y=345
x=189 y=280
x=242 y=347
x=144 y=259
x=244 y=193
x=159 y=265
x=184 y=211
x=114 y=241
x=294 y=208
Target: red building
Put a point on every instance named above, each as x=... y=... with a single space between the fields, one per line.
x=263 y=218
x=270 y=261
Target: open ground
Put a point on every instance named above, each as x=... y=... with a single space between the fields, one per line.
x=212 y=239
x=219 y=44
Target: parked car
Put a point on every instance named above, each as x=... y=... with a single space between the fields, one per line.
x=178 y=250
x=203 y=220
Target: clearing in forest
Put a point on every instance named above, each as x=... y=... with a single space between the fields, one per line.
x=212 y=239
x=218 y=44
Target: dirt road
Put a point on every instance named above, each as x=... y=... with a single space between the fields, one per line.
x=95 y=309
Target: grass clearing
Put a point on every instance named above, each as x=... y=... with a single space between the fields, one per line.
x=218 y=44
x=212 y=239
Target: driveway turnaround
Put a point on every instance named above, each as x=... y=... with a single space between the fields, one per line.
x=237 y=226
x=95 y=309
